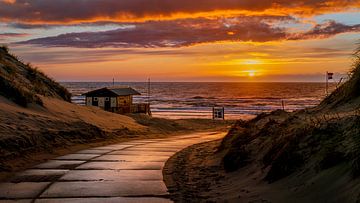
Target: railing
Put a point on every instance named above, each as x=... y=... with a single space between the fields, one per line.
x=141 y=108
x=134 y=108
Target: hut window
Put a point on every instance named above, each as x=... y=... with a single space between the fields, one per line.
x=107 y=99
x=96 y=99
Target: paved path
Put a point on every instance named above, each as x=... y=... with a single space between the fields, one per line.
x=125 y=172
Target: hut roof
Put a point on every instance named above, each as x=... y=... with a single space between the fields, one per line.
x=112 y=92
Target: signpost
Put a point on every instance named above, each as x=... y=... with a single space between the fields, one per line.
x=329 y=76
x=218 y=113
x=149 y=97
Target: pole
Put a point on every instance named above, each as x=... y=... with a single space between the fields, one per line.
x=327 y=83
x=113 y=82
x=283 y=105
x=213 y=113
x=223 y=113
x=148 y=91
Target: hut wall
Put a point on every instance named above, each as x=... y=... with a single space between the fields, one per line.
x=113 y=102
x=124 y=101
x=88 y=101
x=101 y=101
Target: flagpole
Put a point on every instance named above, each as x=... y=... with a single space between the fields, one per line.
x=148 y=91
x=327 y=83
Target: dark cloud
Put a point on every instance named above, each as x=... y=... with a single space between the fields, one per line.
x=176 y=33
x=94 y=55
x=326 y=30
x=49 y=26
x=10 y=34
x=65 y=11
x=179 y=33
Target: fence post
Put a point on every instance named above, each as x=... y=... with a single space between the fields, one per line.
x=223 y=111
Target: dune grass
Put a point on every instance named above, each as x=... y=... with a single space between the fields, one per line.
x=285 y=143
x=350 y=89
x=23 y=83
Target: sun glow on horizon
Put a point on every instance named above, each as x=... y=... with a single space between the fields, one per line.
x=251 y=62
x=251 y=73
x=247 y=73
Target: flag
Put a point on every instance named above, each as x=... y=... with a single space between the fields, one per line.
x=330 y=76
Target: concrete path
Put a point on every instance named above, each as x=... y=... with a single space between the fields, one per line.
x=125 y=172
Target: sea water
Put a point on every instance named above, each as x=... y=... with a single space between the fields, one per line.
x=176 y=100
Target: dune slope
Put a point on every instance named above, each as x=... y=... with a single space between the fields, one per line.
x=36 y=115
x=309 y=155
x=23 y=83
x=312 y=155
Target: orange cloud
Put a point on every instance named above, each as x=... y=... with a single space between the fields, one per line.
x=67 y=11
x=8 y=1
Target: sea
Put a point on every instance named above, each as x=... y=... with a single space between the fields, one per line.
x=188 y=100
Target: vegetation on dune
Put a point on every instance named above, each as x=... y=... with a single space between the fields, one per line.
x=282 y=143
x=23 y=83
x=350 y=90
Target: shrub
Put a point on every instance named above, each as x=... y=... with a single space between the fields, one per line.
x=236 y=159
x=5 y=48
x=286 y=161
x=14 y=93
x=331 y=157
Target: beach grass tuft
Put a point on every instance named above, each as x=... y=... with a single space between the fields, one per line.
x=24 y=83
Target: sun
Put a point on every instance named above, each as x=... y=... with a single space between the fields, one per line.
x=250 y=73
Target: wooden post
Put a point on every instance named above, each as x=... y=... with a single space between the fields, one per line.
x=283 y=105
x=148 y=91
x=148 y=111
x=213 y=113
x=223 y=113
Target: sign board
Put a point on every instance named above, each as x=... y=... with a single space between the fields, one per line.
x=218 y=113
x=330 y=76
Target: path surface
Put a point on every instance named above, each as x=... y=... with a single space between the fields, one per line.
x=125 y=172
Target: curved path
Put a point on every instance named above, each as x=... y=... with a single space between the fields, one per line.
x=125 y=172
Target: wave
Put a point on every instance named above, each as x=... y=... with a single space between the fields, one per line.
x=177 y=100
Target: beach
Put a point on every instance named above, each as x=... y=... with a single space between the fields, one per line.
x=189 y=100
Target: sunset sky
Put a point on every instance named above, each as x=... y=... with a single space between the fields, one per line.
x=183 y=40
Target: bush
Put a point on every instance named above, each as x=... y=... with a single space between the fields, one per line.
x=286 y=161
x=236 y=159
x=16 y=94
x=5 y=48
x=331 y=158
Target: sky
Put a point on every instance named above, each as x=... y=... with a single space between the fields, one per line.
x=183 y=40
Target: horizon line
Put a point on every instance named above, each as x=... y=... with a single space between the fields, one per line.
x=194 y=81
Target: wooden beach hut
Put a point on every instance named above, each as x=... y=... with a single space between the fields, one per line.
x=116 y=99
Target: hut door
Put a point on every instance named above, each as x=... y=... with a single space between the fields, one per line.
x=95 y=101
x=107 y=103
